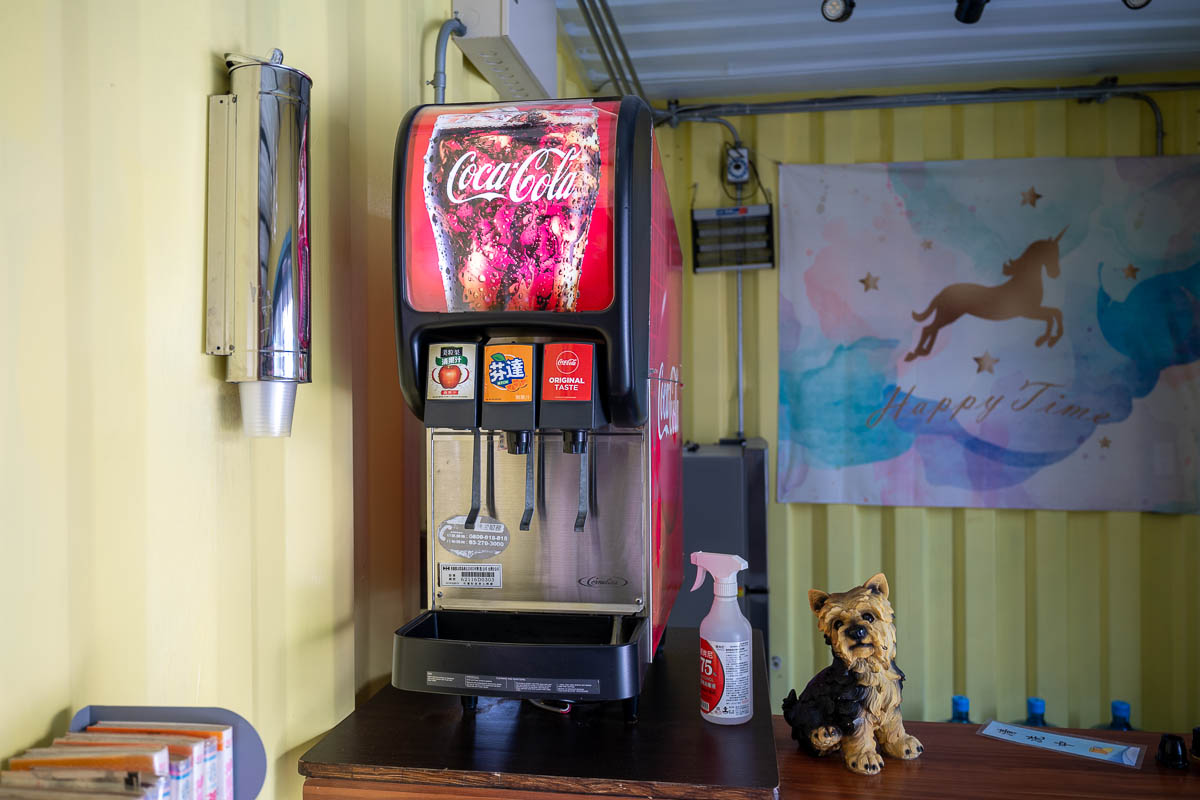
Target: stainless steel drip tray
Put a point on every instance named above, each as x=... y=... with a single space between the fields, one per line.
x=539 y=656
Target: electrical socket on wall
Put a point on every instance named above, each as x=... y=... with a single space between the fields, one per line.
x=737 y=165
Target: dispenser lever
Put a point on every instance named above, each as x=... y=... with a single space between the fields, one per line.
x=581 y=516
x=528 y=515
x=473 y=514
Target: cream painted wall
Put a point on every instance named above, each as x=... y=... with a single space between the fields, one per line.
x=149 y=553
x=1080 y=608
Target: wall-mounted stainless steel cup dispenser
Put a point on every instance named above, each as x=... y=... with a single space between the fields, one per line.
x=259 y=272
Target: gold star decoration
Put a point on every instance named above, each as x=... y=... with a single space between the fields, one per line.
x=1131 y=272
x=1030 y=198
x=870 y=282
x=927 y=244
x=1105 y=442
x=985 y=363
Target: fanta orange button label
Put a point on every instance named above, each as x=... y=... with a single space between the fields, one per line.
x=509 y=376
x=567 y=371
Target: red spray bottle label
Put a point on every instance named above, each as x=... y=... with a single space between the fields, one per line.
x=725 y=678
x=712 y=677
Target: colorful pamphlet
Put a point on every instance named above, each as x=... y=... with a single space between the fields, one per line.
x=221 y=773
x=82 y=783
x=187 y=756
x=132 y=758
x=1126 y=755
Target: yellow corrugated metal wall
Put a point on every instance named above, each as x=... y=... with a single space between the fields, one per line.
x=1079 y=608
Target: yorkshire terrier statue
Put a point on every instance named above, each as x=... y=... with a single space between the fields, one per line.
x=853 y=705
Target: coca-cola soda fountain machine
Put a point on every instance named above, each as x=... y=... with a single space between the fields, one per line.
x=537 y=278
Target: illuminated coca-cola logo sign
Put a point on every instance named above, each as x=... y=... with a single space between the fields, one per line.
x=543 y=174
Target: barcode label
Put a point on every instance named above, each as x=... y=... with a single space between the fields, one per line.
x=470 y=576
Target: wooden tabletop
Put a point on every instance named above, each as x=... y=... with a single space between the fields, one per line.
x=958 y=763
x=411 y=745
x=423 y=739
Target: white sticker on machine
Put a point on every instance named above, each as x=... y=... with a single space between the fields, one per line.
x=487 y=539
x=470 y=576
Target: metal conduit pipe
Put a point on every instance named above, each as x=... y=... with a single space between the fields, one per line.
x=857 y=102
x=1096 y=93
x=626 y=60
x=453 y=26
x=737 y=140
x=591 y=26
x=606 y=44
x=1159 y=132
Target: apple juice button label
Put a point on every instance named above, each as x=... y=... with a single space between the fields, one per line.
x=567 y=371
x=470 y=576
x=451 y=372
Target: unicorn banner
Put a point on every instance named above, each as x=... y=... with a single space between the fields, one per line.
x=1003 y=334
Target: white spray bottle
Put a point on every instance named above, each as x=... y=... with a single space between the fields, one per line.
x=726 y=676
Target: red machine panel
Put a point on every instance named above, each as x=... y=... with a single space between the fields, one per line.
x=666 y=454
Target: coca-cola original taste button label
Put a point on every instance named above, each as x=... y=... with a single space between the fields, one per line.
x=567 y=371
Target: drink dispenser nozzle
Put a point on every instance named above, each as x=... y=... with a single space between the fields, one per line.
x=584 y=477
x=452 y=402
x=508 y=405
x=520 y=443
x=574 y=442
x=569 y=403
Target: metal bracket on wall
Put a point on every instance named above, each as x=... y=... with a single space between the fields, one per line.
x=218 y=319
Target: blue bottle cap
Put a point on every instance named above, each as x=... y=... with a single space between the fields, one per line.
x=960 y=703
x=1034 y=706
x=1120 y=709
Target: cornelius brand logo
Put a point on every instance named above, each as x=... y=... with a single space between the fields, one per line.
x=531 y=181
x=593 y=581
x=668 y=402
x=567 y=362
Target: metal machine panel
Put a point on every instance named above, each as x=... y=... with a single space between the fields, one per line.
x=549 y=566
x=725 y=508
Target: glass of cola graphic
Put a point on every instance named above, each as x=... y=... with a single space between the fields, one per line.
x=510 y=195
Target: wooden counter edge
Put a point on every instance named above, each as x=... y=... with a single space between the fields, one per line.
x=329 y=782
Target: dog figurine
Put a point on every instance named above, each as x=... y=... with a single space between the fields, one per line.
x=854 y=703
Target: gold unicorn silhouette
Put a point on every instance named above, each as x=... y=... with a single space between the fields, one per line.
x=1021 y=297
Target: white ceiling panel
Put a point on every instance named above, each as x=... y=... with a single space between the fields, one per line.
x=717 y=48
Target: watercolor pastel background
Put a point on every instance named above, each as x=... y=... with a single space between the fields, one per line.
x=1106 y=418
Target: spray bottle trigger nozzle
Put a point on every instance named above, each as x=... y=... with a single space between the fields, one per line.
x=700 y=573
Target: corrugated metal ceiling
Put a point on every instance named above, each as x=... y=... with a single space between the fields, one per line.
x=716 y=48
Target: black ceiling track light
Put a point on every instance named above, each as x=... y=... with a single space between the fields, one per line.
x=1136 y=4
x=969 y=11
x=837 y=10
